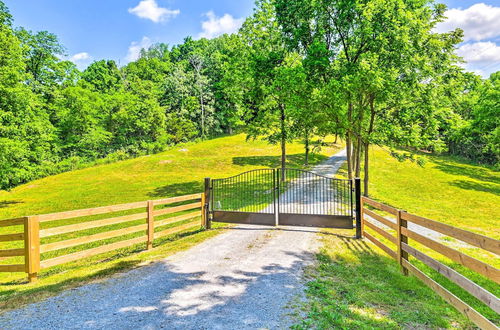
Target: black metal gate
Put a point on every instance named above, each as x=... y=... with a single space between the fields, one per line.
x=290 y=197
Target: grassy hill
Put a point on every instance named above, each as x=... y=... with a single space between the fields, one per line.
x=174 y=172
x=445 y=189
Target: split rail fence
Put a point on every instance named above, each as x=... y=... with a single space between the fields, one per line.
x=395 y=230
x=149 y=211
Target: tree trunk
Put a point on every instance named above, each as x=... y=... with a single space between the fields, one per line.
x=283 y=142
x=366 y=167
x=349 y=160
x=202 y=115
x=367 y=144
x=348 y=142
x=336 y=138
x=306 y=143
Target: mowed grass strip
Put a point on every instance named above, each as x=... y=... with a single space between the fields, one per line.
x=179 y=171
x=448 y=190
x=356 y=286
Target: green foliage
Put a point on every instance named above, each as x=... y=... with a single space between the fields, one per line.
x=104 y=76
x=54 y=118
x=369 y=71
x=477 y=136
x=25 y=131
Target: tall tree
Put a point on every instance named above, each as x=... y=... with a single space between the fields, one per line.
x=266 y=52
x=41 y=51
x=26 y=135
x=374 y=48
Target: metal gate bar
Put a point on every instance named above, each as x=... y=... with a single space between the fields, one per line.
x=309 y=199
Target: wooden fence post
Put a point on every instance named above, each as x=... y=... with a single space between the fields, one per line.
x=203 y=215
x=402 y=239
x=205 y=206
x=151 y=225
x=32 y=247
x=357 y=191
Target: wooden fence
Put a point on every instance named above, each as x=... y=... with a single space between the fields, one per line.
x=148 y=210
x=395 y=230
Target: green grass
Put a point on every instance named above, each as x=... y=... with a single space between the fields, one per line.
x=171 y=173
x=178 y=171
x=355 y=285
x=445 y=189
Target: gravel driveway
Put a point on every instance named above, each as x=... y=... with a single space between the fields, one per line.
x=246 y=278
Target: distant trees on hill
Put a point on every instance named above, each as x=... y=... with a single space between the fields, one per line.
x=372 y=72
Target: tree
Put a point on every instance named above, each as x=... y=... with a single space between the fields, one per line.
x=477 y=136
x=40 y=51
x=374 y=48
x=266 y=113
x=81 y=116
x=103 y=76
x=201 y=82
x=26 y=135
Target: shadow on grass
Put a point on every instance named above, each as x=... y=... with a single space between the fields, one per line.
x=9 y=203
x=473 y=171
x=177 y=189
x=295 y=160
x=470 y=185
x=354 y=287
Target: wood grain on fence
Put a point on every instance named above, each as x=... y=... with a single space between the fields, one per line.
x=145 y=211
x=404 y=250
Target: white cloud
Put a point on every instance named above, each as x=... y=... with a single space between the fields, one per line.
x=134 y=50
x=80 y=57
x=479 y=22
x=82 y=60
x=480 y=52
x=149 y=9
x=216 y=26
x=482 y=58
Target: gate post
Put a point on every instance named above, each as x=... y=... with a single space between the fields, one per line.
x=357 y=189
x=276 y=196
x=207 y=223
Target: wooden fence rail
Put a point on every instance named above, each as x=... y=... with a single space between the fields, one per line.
x=394 y=228
x=72 y=236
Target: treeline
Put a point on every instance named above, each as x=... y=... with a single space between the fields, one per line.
x=55 y=118
x=371 y=72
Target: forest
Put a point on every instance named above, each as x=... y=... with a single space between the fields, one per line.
x=370 y=72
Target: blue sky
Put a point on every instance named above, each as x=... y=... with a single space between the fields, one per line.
x=117 y=29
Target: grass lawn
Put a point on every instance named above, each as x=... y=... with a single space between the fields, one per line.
x=175 y=172
x=445 y=189
x=355 y=285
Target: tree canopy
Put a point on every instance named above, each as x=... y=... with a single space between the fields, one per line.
x=372 y=72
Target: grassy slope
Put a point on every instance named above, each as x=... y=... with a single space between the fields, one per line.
x=175 y=172
x=444 y=189
x=347 y=292
x=166 y=174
